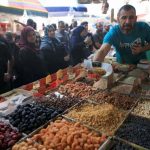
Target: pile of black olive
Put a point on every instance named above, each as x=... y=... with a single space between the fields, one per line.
x=136 y=130
x=118 y=145
x=29 y=117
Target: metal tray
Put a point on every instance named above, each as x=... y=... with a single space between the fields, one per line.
x=141 y=114
x=77 y=95
x=110 y=92
x=127 y=139
x=111 y=141
x=94 y=103
x=59 y=118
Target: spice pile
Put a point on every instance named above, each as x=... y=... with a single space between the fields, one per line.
x=143 y=109
x=61 y=103
x=121 y=101
x=104 y=117
x=136 y=130
x=62 y=134
x=77 y=89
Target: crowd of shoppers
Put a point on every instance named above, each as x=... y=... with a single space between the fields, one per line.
x=28 y=57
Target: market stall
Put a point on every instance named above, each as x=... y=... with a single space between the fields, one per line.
x=103 y=106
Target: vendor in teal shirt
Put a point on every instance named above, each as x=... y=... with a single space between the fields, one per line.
x=130 y=39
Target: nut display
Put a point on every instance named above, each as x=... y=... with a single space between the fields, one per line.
x=136 y=130
x=143 y=109
x=8 y=136
x=31 y=116
x=104 y=117
x=61 y=103
x=77 y=89
x=119 y=100
x=64 y=135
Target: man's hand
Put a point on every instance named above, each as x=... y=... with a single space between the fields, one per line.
x=136 y=49
x=88 y=40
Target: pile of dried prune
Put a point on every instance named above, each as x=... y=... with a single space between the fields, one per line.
x=31 y=116
x=136 y=130
x=8 y=136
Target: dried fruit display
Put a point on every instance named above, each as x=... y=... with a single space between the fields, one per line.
x=29 y=117
x=64 y=135
x=8 y=136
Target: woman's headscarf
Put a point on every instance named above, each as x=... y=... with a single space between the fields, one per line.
x=47 y=28
x=76 y=37
x=46 y=40
x=23 y=43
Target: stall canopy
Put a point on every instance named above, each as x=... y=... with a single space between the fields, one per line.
x=90 y=1
x=65 y=10
x=32 y=7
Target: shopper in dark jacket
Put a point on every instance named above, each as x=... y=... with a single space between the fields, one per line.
x=78 y=44
x=53 y=51
x=31 y=65
x=5 y=67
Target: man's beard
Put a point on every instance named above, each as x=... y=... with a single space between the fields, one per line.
x=127 y=28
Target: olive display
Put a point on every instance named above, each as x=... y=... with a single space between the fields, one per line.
x=136 y=130
x=119 y=145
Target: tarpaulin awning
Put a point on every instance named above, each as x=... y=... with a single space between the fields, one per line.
x=32 y=7
x=66 y=9
x=58 y=9
x=81 y=9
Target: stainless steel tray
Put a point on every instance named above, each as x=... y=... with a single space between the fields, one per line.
x=54 y=119
x=136 y=99
x=94 y=103
x=111 y=141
